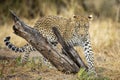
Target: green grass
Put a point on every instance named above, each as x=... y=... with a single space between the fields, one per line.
x=83 y=75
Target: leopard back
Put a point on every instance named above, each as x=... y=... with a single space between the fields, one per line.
x=73 y=30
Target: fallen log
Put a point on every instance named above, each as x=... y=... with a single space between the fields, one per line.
x=70 y=63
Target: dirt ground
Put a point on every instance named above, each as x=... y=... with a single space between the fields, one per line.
x=28 y=72
x=107 y=67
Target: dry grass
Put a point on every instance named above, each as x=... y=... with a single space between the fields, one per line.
x=105 y=40
x=106 y=44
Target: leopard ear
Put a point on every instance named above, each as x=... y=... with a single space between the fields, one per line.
x=90 y=17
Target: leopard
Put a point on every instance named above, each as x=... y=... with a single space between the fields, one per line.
x=75 y=32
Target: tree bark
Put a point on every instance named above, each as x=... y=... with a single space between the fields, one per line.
x=70 y=63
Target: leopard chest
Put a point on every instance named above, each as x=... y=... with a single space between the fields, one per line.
x=75 y=40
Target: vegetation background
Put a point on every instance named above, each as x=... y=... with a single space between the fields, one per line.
x=104 y=29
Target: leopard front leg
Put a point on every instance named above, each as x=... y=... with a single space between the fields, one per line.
x=89 y=56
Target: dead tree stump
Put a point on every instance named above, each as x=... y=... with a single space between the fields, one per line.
x=66 y=63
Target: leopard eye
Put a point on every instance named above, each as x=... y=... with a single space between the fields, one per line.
x=74 y=16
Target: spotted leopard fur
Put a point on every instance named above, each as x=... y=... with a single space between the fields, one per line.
x=74 y=31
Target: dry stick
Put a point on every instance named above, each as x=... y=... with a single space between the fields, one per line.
x=59 y=60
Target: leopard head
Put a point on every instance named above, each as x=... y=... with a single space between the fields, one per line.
x=82 y=25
